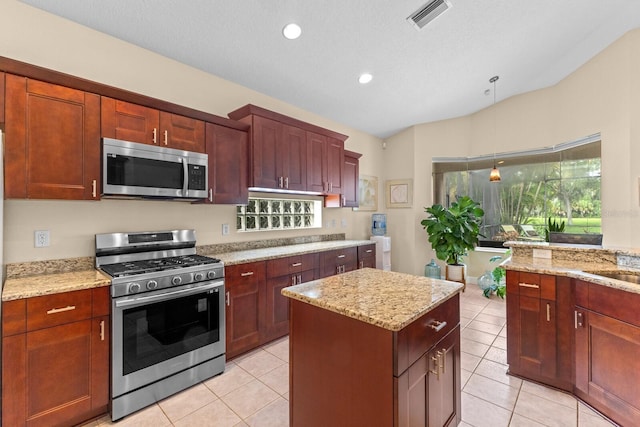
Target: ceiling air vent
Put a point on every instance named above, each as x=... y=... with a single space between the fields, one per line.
x=428 y=13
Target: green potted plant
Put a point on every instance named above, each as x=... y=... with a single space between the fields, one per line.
x=454 y=231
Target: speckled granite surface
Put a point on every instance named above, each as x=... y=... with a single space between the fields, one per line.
x=383 y=298
x=580 y=262
x=46 y=284
x=223 y=248
x=239 y=257
x=29 y=279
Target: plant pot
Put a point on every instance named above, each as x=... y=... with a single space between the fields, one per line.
x=456 y=273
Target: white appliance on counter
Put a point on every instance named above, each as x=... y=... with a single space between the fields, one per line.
x=383 y=252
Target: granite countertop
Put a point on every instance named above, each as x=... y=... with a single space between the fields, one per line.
x=582 y=269
x=47 y=284
x=252 y=255
x=386 y=299
x=31 y=279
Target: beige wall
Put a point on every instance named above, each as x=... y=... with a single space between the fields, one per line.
x=601 y=96
x=30 y=35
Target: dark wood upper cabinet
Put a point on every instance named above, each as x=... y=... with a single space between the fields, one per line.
x=350 y=183
x=144 y=125
x=52 y=141
x=228 y=151
x=1 y=97
x=288 y=154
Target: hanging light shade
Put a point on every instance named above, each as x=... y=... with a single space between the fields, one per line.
x=494 y=176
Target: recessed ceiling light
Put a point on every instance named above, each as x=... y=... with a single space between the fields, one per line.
x=365 y=78
x=292 y=31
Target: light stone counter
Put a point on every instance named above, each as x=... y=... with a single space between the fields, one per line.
x=578 y=262
x=263 y=254
x=386 y=299
x=46 y=284
x=30 y=279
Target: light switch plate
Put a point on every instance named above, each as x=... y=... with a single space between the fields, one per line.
x=225 y=229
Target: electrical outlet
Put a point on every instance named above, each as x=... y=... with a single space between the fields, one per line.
x=343 y=223
x=225 y=229
x=41 y=238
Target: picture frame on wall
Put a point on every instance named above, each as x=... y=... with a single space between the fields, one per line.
x=399 y=193
x=368 y=193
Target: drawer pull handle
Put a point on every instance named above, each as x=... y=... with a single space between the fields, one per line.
x=437 y=325
x=248 y=273
x=548 y=313
x=60 y=310
x=102 y=330
x=296 y=264
x=444 y=360
x=341 y=256
x=529 y=285
x=369 y=251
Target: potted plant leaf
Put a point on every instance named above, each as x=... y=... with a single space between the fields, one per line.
x=454 y=231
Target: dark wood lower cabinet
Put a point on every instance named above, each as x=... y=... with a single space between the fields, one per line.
x=245 y=306
x=277 y=322
x=429 y=391
x=58 y=374
x=345 y=372
x=607 y=347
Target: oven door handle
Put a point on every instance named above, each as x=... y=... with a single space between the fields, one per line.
x=167 y=296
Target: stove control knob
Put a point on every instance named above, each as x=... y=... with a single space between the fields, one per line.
x=134 y=287
x=198 y=277
x=176 y=280
x=212 y=274
x=152 y=284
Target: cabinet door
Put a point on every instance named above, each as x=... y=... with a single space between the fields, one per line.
x=182 y=133
x=335 y=165
x=317 y=163
x=1 y=97
x=277 y=323
x=266 y=169
x=351 y=180
x=444 y=382
x=228 y=165
x=294 y=152
x=607 y=365
x=52 y=141
x=245 y=311
x=429 y=390
x=367 y=256
x=531 y=327
x=65 y=365
x=130 y=122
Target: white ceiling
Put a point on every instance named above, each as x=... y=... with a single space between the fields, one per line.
x=439 y=72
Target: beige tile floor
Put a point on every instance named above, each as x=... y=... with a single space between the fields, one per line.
x=254 y=389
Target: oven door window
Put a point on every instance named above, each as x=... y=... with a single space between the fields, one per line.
x=157 y=332
x=140 y=172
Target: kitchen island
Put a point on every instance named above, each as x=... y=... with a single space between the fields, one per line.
x=374 y=348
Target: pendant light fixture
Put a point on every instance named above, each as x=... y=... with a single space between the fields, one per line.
x=494 y=176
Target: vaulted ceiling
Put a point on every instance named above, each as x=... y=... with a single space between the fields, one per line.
x=438 y=72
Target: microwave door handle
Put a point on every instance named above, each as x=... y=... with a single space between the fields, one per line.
x=185 y=177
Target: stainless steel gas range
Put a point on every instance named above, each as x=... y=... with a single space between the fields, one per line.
x=168 y=325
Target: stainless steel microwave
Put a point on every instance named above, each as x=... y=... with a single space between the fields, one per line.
x=141 y=170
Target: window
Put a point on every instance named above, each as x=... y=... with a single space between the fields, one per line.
x=278 y=214
x=561 y=183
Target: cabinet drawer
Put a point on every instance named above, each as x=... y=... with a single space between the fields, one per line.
x=250 y=272
x=531 y=285
x=57 y=309
x=417 y=338
x=366 y=252
x=290 y=265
